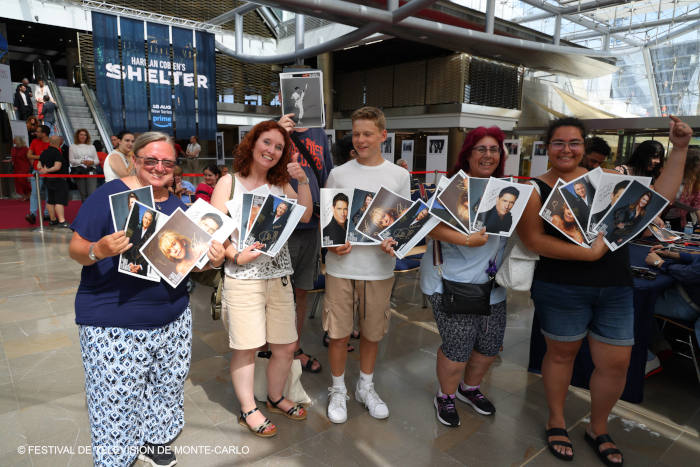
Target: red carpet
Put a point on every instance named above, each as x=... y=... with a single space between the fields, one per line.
x=12 y=214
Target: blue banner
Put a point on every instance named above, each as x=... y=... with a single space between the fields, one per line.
x=108 y=71
x=159 y=77
x=183 y=81
x=134 y=65
x=206 y=85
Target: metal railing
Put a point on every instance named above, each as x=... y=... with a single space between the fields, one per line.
x=43 y=70
x=103 y=127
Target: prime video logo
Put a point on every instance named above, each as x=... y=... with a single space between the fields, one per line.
x=162 y=121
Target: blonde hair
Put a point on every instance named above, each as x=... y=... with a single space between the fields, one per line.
x=168 y=237
x=144 y=139
x=370 y=113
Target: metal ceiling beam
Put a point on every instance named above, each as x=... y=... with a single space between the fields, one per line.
x=581 y=8
x=635 y=27
x=673 y=34
x=230 y=15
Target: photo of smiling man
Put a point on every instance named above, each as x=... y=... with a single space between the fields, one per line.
x=334 y=216
x=501 y=206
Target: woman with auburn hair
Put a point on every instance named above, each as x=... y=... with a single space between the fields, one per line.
x=258 y=301
x=83 y=161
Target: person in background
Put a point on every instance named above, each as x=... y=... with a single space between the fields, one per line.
x=402 y=163
x=83 y=161
x=192 y=155
x=38 y=146
x=32 y=127
x=49 y=111
x=305 y=242
x=343 y=150
x=182 y=188
x=646 y=160
x=688 y=194
x=21 y=165
x=114 y=139
x=23 y=102
x=223 y=169
x=597 y=150
x=206 y=188
x=51 y=161
x=120 y=162
x=99 y=149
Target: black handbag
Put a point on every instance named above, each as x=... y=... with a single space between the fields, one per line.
x=460 y=298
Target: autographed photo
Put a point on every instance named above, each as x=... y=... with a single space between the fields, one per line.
x=335 y=206
x=212 y=221
x=477 y=187
x=140 y=226
x=557 y=212
x=176 y=247
x=237 y=205
x=579 y=194
x=610 y=188
x=438 y=210
x=121 y=203
x=410 y=228
x=631 y=214
x=383 y=211
x=501 y=206
x=663 y=235
x=359 y=203
x=274 y=224
x=455 y=199
x=302 y=95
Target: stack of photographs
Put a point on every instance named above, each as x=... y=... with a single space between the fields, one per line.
x=410 y=228
x=212 y=221
x=610 y=188
x=244 y=210
x=274 y=224
x=359 y=203
x=386 y=207
x=437 y=209
x=579 y=194
x=556 y=211
x=121 y=204
x=141 y=224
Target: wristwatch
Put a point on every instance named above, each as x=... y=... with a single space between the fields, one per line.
x=91 y=253
x=658 y=262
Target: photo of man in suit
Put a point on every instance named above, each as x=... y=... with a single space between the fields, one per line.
x=579 y=201
x=617 y=191
x=498 y=218
x=141 y=230
x=335 y=231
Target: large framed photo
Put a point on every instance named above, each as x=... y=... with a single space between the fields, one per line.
x=121 y=203
x=360 y=201
x=455 y=199
x=274 y=224
x=501 y=206
x=302 y=95
x=176 y=247
x=211 y=220
x=140 y=226
x=335 y=206
x=633 y=212
x=557 y=212
x=382 y=212
x=410 y=228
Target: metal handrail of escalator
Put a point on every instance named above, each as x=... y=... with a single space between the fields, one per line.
x=64 y=124
x=104 y=129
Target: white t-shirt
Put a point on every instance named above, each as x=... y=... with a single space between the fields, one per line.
x=110 y=174
x=366 y=262
x=193 y=149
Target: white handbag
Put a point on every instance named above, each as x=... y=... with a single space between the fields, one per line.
x=518 y=265
x=293 y=390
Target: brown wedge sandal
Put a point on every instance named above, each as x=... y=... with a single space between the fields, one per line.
x=263 y=430
x=297 y=412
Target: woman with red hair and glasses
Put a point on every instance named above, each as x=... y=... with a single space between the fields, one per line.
x=257 y=300
x=469 y=342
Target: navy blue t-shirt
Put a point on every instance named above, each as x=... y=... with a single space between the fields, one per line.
x=108 y=298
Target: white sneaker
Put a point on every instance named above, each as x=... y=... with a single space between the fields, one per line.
x=337 y=408
x=366 y=395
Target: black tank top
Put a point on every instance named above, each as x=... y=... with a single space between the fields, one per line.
x=610 y=270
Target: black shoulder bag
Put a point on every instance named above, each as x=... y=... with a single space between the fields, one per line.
x=460 y=298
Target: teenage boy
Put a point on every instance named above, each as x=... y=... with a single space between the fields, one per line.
x=360 y=273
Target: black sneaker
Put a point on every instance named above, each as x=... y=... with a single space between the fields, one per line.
x=158 y=455
x=31 y=218
x=477 y=400
x=53 y=223
x=446 y=410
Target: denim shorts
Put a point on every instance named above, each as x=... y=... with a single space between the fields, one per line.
x=567 y=313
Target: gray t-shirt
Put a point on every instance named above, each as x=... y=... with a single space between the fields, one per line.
x=49 y=111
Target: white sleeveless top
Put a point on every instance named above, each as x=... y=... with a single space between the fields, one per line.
x=263 y=267
x=109 y=173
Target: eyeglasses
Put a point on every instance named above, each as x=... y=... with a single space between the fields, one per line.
x=483 y=149
x=560 y=145
x=152 y=162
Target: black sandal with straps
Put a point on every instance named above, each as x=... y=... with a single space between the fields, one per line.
x=297 y=411
x=606 y=453
x=260 y=429
x=566 y=444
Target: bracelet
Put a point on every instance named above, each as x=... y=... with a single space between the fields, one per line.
x=216 y=267
x=235 y=259
x=305 y=182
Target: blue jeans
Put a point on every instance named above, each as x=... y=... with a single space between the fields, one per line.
x=673 y=305
x=33 y=208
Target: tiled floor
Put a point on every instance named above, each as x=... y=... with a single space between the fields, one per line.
x=42 y=400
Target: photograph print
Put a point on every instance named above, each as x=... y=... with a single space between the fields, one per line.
x=211 y=220
x=663 y=235
x=176 y=247
x=632 y=213
x=302 y=95
x=501 y=207
x=610 y=188
x=140 y=226
x=382 y=212
x=335 y=207
x=387 y=147
x=436 y=208
x=274 y=224
x=455 y=199
x=477 y=187
x=121 y=203
x=579 y=194
x=359 y=202
x=409 y=229
x=557 y=212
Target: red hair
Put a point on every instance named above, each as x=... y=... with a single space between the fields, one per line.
x=243 y=157
x=470 y=141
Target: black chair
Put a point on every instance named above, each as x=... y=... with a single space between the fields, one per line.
x=689 y=331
